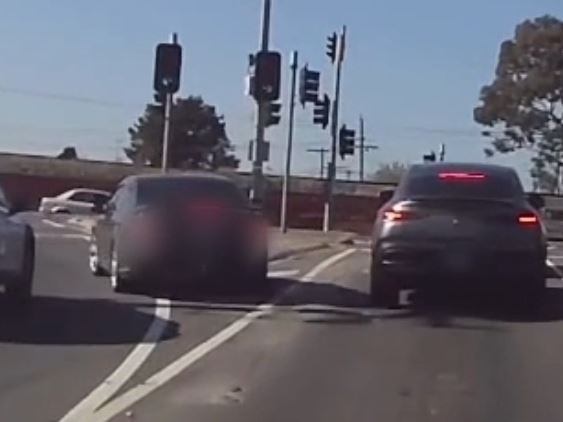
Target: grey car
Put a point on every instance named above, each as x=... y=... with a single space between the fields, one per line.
x=459 y=226
x=178 y=230
x=17 y=254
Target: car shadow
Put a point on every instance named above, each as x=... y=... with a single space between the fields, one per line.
x=439 y=310
x=71 y=321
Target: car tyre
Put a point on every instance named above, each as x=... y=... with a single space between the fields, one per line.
x=20 y=291
x=119 y=283
x=94 y=259
x=531 y=297
x=255 y=278
x=383 y=290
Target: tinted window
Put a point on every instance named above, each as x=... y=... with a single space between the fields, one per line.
x=154 y=191
x=491 y=186
x=83 y=197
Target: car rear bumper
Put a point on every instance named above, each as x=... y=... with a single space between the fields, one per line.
x=190 y=265
x=415 y=264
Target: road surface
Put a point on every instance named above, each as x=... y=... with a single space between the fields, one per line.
x=315 y=352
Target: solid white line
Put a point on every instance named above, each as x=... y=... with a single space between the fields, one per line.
x=86 y=408
x=283 y=273
x=53 y=224
x=140 y=391
x=554 y=268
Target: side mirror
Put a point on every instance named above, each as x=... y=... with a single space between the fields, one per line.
x=536 y=201
x=99 y=208
x=385 y=196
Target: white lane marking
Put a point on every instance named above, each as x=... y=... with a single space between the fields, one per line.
x=140 y=391
x=554 y=268
x=53 y=223
x=83 y=410
x=62 y=236
x=283 y=273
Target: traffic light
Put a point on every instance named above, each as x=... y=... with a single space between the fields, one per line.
x=331 y=46
x=273 y=115
x=309 y=83
x=429 y=158
x=321 y=112
x=167 y=69
x=347 y=140
x=267 y=76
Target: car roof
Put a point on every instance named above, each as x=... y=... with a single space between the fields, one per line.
x=434 y=168
x=192 y=175
x=86 y=190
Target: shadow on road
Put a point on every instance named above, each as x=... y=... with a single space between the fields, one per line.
x=70 y=321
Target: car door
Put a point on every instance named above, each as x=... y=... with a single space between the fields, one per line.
x=105 y=228
x=80 y=203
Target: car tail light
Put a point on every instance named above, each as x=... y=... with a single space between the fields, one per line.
x=461 y=176
x=528 y=220
x=397 y=215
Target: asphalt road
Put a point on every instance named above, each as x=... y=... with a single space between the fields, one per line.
x=318 y=353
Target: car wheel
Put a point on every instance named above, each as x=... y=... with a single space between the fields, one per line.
x=20 y=290
x=383 y=290
x=255 y=278
x=531 y=296
x=94 y=259
x=119 y=283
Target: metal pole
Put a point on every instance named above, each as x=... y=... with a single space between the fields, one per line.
x=168 y=101
x=166 y=132
x=362 y=148
x=328 y=208
x=287 y=175
x=257 y=166
x=323 y=152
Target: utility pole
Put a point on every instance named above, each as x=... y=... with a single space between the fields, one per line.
x=362 y=148
x=287 y=175
x=442 y=152
x=321 y=152
x=329 y=203
x=257 y=167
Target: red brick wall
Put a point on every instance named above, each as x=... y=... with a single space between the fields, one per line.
x=352 y=213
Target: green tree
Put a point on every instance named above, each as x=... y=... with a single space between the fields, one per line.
x=523 y=105
x=390 y=173
x=198 y=138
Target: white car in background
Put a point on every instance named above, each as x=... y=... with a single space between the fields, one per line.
x=75 y=201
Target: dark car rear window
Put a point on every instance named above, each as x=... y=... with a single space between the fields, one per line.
x=490 y=186
x=164 y=190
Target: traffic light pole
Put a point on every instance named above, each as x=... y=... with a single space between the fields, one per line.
x=362 y=148
x=166 y=131
x=257 y=192
x=168 y=99
x=287 y=175
x=329 y=203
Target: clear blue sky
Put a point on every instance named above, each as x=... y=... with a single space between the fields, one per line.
x=413 y=69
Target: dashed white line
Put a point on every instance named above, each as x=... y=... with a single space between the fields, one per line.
x=84 y=410
x=140 y=391
x=67 y=236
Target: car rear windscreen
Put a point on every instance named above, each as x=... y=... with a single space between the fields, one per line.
x=464 y=185
x=156 y=191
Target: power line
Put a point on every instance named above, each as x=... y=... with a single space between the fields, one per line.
x=68 y=98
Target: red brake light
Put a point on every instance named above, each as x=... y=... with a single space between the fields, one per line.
x=463 y=176
x=397 y=215
x=528 y=220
